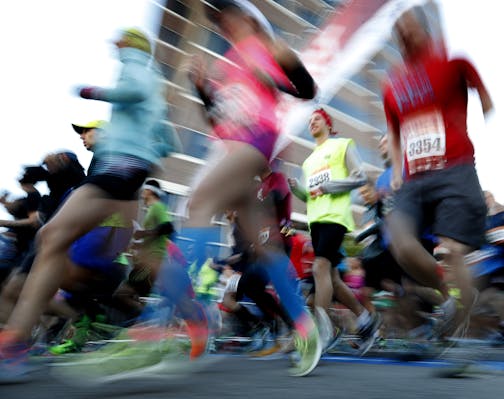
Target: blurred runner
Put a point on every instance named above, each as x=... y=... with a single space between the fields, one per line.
x=240 y=98
x=17 y=240
x=61 y=172
x=96 y=266
x=433 y=160
x=149 y=251
x=133 y=143
x=331 y=172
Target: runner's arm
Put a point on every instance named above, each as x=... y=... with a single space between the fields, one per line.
x=356 y=177
x=303 y=84
x=31 y=221
x=394 y=142
x=297 y=189
x=474 y=81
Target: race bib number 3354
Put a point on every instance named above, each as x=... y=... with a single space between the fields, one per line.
x=425 y=141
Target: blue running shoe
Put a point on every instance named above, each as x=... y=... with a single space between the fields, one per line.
x=14 y=365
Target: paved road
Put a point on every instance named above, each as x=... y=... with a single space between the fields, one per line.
x=240 y=377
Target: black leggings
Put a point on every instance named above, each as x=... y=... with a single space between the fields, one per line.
x=253 y=284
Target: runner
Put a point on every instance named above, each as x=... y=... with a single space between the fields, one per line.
x=426 y=108
x=62 y=172
x=148 y=251
x=96 y=266
x=15 y=242
x=414 y=303
x=331 y=172
x=240 y=99
x=273 y=209
x=126 y=155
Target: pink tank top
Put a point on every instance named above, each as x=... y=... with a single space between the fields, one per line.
x=246 y=92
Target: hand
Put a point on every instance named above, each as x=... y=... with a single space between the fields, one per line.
x=396 y=182
x=293 y=183
x=89 y=92
x=316 y=192
x=139 y=234
x=197 y=71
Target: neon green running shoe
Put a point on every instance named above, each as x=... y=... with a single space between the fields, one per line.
x=308 y=351
x=136 y=359
x=76 y=337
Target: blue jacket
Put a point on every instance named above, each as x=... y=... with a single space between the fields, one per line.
x=138 y=119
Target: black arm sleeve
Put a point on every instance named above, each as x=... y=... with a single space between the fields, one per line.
x=207 y=101
x=302 y=80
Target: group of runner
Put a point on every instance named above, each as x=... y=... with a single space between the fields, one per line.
x=432 y=181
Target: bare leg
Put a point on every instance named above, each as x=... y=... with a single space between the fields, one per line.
x=455 y=260
x=10 y=295
x=226 y=184
x=323 y=283
x=412 y=256
x=83 y=210
x=344 y=294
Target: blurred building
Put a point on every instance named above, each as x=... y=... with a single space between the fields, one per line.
x=346 y=45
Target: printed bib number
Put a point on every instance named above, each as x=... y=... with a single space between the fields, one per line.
x=318 y=178
x=425 y=140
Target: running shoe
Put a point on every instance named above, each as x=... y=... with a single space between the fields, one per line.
x=122 y=360
x=337 y=334
x=450 y=327
x=270 y=345
x=139 y=359
x=445 y=317
x=325 y=327
x=14 y=361
x=199 y=335
x=309 y=350
x=369 y=333
x=77 y=337
x=258 y=339
x=271 y=348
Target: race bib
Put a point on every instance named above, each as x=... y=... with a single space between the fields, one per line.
x=425 y=141
x=319 y=177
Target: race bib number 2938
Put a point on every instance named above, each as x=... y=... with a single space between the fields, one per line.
x=318 y=178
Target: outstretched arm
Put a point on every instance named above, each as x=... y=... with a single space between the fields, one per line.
x=297 y=189
x=32 y=220
x=130 y=88
x=356 y=175
x=303 y=84
x=474 y=81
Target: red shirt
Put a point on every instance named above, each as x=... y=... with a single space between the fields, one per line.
x=427 y=104
x=275 y=184
x=244 y=101
x=302 y=255
x=274 y=199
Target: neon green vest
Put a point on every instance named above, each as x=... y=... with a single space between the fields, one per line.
x=327 y=162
